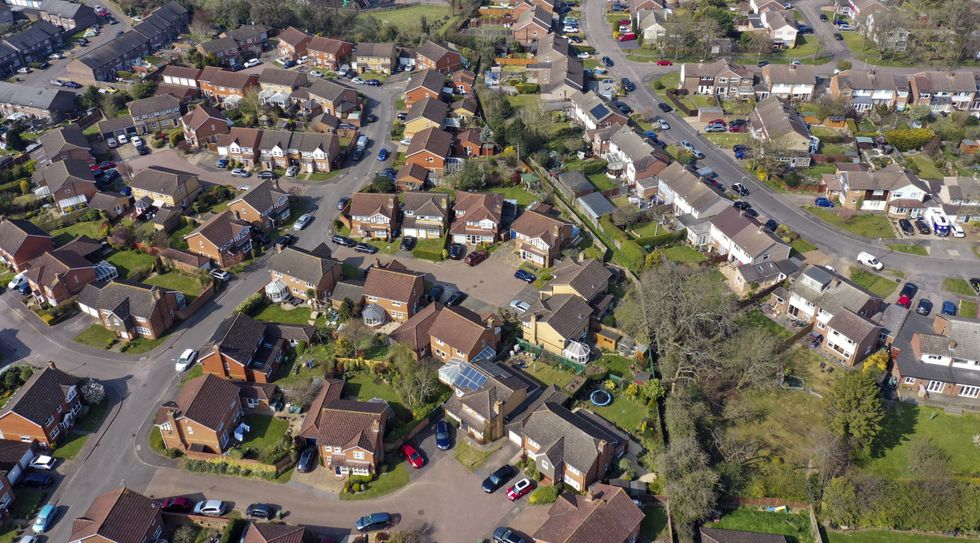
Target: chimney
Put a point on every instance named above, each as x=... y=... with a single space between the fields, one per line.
x=497 y=407
x=376 y=425
x=155 y=293
x=51 y=365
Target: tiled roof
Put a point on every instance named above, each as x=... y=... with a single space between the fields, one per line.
x=855 y=79
x=565 y=437
x=285 y=78
x=293 y=36
x=244 y=137
x=428 y=108
x=434 y=140
x=477 y=206
x=412 y=172
x=12 y=451
x=203 y=113
x=589 y=278
x=40 y=396
x=606 y=514
x=394 y=282
x=432 y=80
x=219 y=45
x=432 y=51
x=744 y=232
x=326 y=45
x=57 y=174
x=565 y=313
x=789 y=74
x=273 y=533
x=161 y=179
x=238 y=337
x=123 y=298
x=261 y=197
x=414 y=332
x=936 y=81
x=120 y=516
x=224 y=78
x=778 y=119
x=221 y=229
x=368 y=204
x=383 y=50
x=14 y=232
x=459 y=327
x=207 y=399
x=69 y=136
x=50 y=267
x=302 y=264
x=538 y=225
x=429 y=204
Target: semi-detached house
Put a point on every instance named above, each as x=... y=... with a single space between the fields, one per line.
x=373 y=215
x=940 y=363
x=945 y=92
x=960 y=197
x=743 y=240
x=717 y=78
x=789 y=81
x=329 y=52
x=22 y=241
x=865 y=89
x=225 y=87
x=892 y=189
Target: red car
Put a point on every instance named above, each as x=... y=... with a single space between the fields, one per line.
x=519 y=489
x=717 y=121
x=664 y=63
x=177 y=504
x=106 y=165
x=627 y=36
x=413 y=456
x=476 y=257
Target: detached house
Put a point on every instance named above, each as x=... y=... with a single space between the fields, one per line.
x=411 y=178
x=391 y=292
x=303 y=274
x=531 y=26
x=960 y=198
x=166 y=187
x=424 y=84
x=539 y=236
x=588 y=279
x=64 y=142
x=743 y=240
x=679 y=188
x=432 y=56
x=118 y=516
x=61 y=273
x=478 y=217
x=629 y=156
x=203 y=126
x=69 y=182
x=777 y=123
x=560 y=325
x=224 y=87
x=329 y=52
x=945 y=92
x=892 y=189
x=941 y=363
x=203 y=417
x=293 y=43
x=717 y=78
x=426 y=113
x=789 y=81
x=866 y=89
x=376 y=57
x=459 y=334
x=240 y=145
x=348 y=434
x=606 y=512
x=782 y=27
x=43 y=409
x=225 y=240
x=485 y=395
x=132 y=310
x=22 y=241
x=374 y=216
x=243 y=349
x=264 y=206
x=425 y=215
x=430 y=148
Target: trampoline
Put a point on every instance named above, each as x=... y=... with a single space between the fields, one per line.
x=600 y=398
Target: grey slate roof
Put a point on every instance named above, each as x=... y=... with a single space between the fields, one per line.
x=589 y=278
x=565 y=313
x=109 y=51
x=123 y=298
x=433 y=80
x=596 y=204
x=238 y=337
x=153 y=105
x=302 y=264
x=352 y=289
x=838 y=292
x=565 y=437
x=69 y=136
x=161 y=179
x=37 y=34
x=219 y=45
x=38 y=398
x=263 y=196
x=55 y=101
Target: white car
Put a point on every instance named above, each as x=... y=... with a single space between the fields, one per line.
x=663 y=124
x=136 y=141
x=17 y=281
x=302 y=221
x=519 y=306
x=405 y=141
x=292 y=171
x=957 y=230
x=210 y=508
x=687 y=145
x=112 y=143
x=122 y=139
x=221 y=275
x=583 y=55
x=44 y=462
x=186 y=360
x=252 y=62
x=357 y=81
x=870 y=261
x=316 y=73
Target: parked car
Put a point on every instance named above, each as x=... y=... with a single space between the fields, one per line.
x=374 y=521
x=665 y=108
x=443 y=438
x=408 y=243
x=506 y=535
x=664 y=125
x=457 y=251
x=956 y=230
x=186 y=360
x=923 y=227
x=906 y=226
x=763 y=63
x=177 y=504
x=303 y=220
x=401 y=116
x=741 y=205
x=822 y=202
x=623 y=107
x=869 y=260
x=663 y=62
x=18 y=280
x=949 y=308
x=383 y=154
x=975 y=283
x=412 y=455
x=143 y=150
x=838 y=36
x=519 y=489
x=210 y=508
x=37 y=480
x=285 y=241
x=343 y=202
x=267 y=174
x=455 y=298
x=715 y=128
x=740 y=189
x=112 y=143
x=498 y=478
x=241 y=172
x=435 y=293
x=628 y=85
x=252 y=62
x=220 y=275
x=924 y=307
x=476 y=257
x=221 y=163
x=823 y=17
x=525 y=276
x=343 y=240
x=263 y=511
x=905 y=296
x=771 y=225
x=44 y=462
x=365 y=248
x=44 y=520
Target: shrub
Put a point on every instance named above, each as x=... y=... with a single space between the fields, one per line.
x=434 y=255
x=250 y=303
x=93 y=392
x=543 y=495
x=905 y=139
x=25 y=186
x=594 y=166
x=527 y=88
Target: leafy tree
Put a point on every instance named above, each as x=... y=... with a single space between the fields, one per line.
x=828 y=106
x=93 y=392
x=918 y=112
x=143 y=89
x=382 y=184
x=876 y=363
x=15 y=139
x=470 y=177
x=91 y=97
x=25 y=186
x=909 y=138
x=691 y=484
x=840 y=502
x=854 y=409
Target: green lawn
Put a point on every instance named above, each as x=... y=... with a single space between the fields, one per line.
x=177 y=237
x=522 y=196
x=654 y=523
x=618 y=365
x=669 y=80
x=471 y=457
x=648 y=230
x=757 y=319
x=179 y=281
x=409 y=19
x=28 y=500
x=266 y=431
x=873 y=283
x=927 y=168
x=795 y=526
x=856 y=43
x=71 y=446
x=805 y=51
x=321 y=176
x=93 y=419
x=522 y=100
x=275 y=313
x=550 y=375
x=867 y=225
x=683 y=254
x=906 y=248
x=726 y=140
x=906 y=425
x=97 y=337
x=881 y=536
x=142 y=345
x=803 y=246
x=959 y=286
x=968 y=308
x=385 y=484
x=156 y=441
x=366 y=386
x=351 y=271
x=195 y=371
x=131 y=263
x=625 y=413
x=68 y=233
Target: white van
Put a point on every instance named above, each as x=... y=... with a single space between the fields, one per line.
x=362 y=143
x=870 y=261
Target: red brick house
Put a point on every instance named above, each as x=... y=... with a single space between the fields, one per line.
x=257 y=532
x=373 y=215
x=61 y=273
x=241 y=145
x=458 y=333
x=477 y=217
x=424 y=84
x=118 y=516
x=203 y=126
x=43 y=409
x=203 y=417
x=432 y=56
x=606 y=513
x=132 y=310
x=264 y=206
x=224 y=239
x=430 y=148
x=292 y=43
x=243 y=349
x=391 y=292
x=539 y=236
x=221 y=85
x=22 y=241
x=329 y=52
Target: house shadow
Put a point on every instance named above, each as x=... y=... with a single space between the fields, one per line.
x=12 y=349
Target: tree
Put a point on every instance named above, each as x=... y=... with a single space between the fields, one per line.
x=758 y=43
x=93 y=392
x=382 y=184
x=25 y=186
x=876 y=363
x=91 y=97
x=143 y=89
x=303 y=393
x=918 y=112
x=830 y=106
x=854 y=409
x=185 y=534
x=14 y=138
x=470 y=177
x=691 y=484
x=626 y=216
x=766 y=160
x=840 y=504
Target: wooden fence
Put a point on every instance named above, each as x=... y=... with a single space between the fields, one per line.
x=510 y=61
x=197 y=303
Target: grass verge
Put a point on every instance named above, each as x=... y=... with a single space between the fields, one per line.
x=472 y=457
x=873 y=283
x=97 y=337
x=910 y=249
x=391 y=480
x=867 y=225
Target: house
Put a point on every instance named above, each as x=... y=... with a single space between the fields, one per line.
x=277 y=85
x=560 y=325
x=303 y=274
x=944 y=92
x=264 y=206
x=203 y=417
x=274 y=151
x=719 y=78
x=329 y=52
x=937 y=362
x=22 y=241
x=840 y=310
x=629 y=157
x=540 y=237
x=118 y=516
x=243 y=349
x=459 y=334
x=777 y=123
x=64 y=142
x=485 y=395
x=426 y=113
x=682 y=190
x=35 y=43
x=43 y=409
x=102 y=62
x=411 y=177
x=223 y=238
x=960 y=198
x=203 y=125
x=166 y=187
x=595 y=206
x=715 y=535
x=477 y=218
x=69 y=182
x=391 y=292
x=132 y=310
x=432 y=56
x=69 y=16
x=39 y=103
x=589 y=110
x=605 y=513
x=240 y=145
x=465 y=110
x=892 y=189
x=789 y=81
x=163 y=25
x=251 y=39
x=348 y=434
x=463 y=82
x=652 y=24
x=759 y=6
x=9 y=59
x=473 y=141
x=257 y=532
x=865 y=89
x=225 y=50
x=414 y=333
x=556 y=70
x=748 y=279
x=222 y=86
x=588 y=279
x=431 y=149
x=425 y=215
x=293 y=43
x=531 y=26
x=15 y=459
x=782 y=27
x=315 y=152
x=374 y=216
x=567 y=446
x=61 y=273
x=179 y=82
x=424 y=84
x=332 y=98
x=376 y=57
x=743 y=240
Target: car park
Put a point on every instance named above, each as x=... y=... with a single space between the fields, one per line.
x=924 y=307
x=408 y=243
x=906 y=226
x=365 y=248
x=822 y=202
x=210 y=508
x=457 y=251
x=303 y=220
x=220 y=275
x=525 y=276
x=907 y=294
x=506 y=535
x=520 y=306
x=443 y=438
x=263 y=511
x=44 y=520
x=949 y=308
x=455 y=298
x=372 y=522
x=44 y=462
x=520 y=489
x=177 y=504
x=412 y=455
x=476 y=257
x=186 y=360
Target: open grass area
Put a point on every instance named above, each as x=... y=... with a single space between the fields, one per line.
x=757 y=319
x=867 y=225
x=97 y=337
x=523 y=100
x=179 y=281
x=654 y=525
x=410 y=18
x=142 y=345
x=795 y=526
x=882 y=536
x=807 y=51
x=386 y=483
x=873 y=283
x=957 y=285
x=472 y=457
x=648 y=230
x=683 y=254
x=196 y=371
x=156 y=441
x=726 y=140
x=927 y=168
x=93 y=419
x=625 y=413
x=266 y=431
x=549 y=375
x=865 y=51
x=64 y=235
x=177 y=237
x=27 y=502
x=131 y=263
x=802 y=246
x=906 y=425
x=968 y=309
x=669 y=80
x=276 y=313
x=906 y=248
x=522 y=196
x=71 y=446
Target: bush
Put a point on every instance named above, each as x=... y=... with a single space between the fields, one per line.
x=226 y=467
x=905 y=139
x=594 y=166
x=543 y=495
x=250 y=303
x=527 y=88
x=233 y=530
x=93 y=392
x=434 y=255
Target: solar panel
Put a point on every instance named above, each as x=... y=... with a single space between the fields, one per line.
x=600 y=111
x=470 y=379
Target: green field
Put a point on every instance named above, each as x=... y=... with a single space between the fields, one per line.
x=911 y=249
x=726 y=140
x=97 y=337
x=905 y=425
x=68 y=233
x=131 y=263
x=175 y=280
x=873 y=283
x=881 y=536
x=867 y=225
x=410 y=18
x=795 y=526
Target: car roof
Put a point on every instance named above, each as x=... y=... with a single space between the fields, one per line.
x=47 y=509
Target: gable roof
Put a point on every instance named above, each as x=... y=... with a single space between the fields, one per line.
x=536 y=225
x=285 y=78
x=273 y=533
x=746 y=233
x=326 y=45
x=40 y=396
x=206 y=400
x=434 y=140
x=203 y=113
x=459 y=327
x=428 y=108
x=430 y=79
x=346 y=423
x=161 y=179
x=777 y=120
x=836 y=292
x=293 y=36
x=478 y=206
x=302 y=264
x=869 y=80
x=369 y=49
x=789 y=74
x=248 y=138
x=606 y=514
x=120 y=516
x=565 y=313
x=70 y=170
x=65 y=137
x=220 y=229
x=49 y=268
x=394 y=282
x=889 y=178
x=936 y=81
x=219 y=45
x=426 y=203
x=368 y=204
x=412 y=172
x=238 y=337
x=565 y=437
x=14 y=232
x=223 y=78
x=123 y=298
x=432 y=51
x=261 y=197
x=55 y=101
x=589 y=278
x=414 y=332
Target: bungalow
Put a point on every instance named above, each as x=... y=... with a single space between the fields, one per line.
x=118 y=516
x=431 y=149
x=240 y=145
x=424 y=84
x=224 y=239
x=425 y=215
x=605 y=509
x=432 y=56
x=22 y=241
x=743 y=240
x=391 y=292
x=166 y=187
x=70 y=183
x=789 y=81
x=540 y=237
x=329 y=52
x=43 y=409
x=411 y=177
x=203 y=126
x=293 y=43
x=560 y=325
x=376 y=57
x=426 y=113
x=374 y=216
x=61 y=273
x=478 y=218
x=652 y=24
x=892 y=189
x=960 y=198
x=589 y=110
x=485 y=396
x=203 y=417
x=777 y=123
x=264 y=206
x=459 y=334
x=243 y=349
x=302 y=274
x=132 y=310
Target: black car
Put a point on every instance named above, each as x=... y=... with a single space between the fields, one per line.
x=365 y=248
x=575 y=39
x=741 y=205
x=665 y=108
x=374 y=521
x=443 y=440
x=805 y=29
x=975 y=283
x=499 y=478
x=143 y=150
x=455 y=298
x=607 y=62
x=390 y=173
x=307 y=460
x=823 y=17
x=506 y=535
x=628 y=85
x=625 y=109
x=906 y=226
x=285 y=241
x=408 y=243
x=763 y=63
x=751 y=213
x=37 y=480
x=457 y=251
x=401 y=116
x=343 y=240
x=357 y=155
x=261 y=510
x=838 y=36
x=909 y=291
x=372 y=118
x=435 y=293
x=740 y=189
x=922 y=227
x=771 y=225
x=342 y=203
x=924 y=307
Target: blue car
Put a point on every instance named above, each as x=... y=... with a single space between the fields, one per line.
x=443 y=441
x=525 y=276
x=650 y=134
x=823 y=202
x=741 y=155
x=949 y=308
x=44 y=519
x=221 y=163
x=383 y=154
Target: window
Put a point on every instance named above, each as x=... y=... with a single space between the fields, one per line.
x=55 y=432
x=49 y=421
x=935 y=386
x=26 y=439
x=327 y=448
x=969 y=391
x=359 y=455
x=909 y=380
